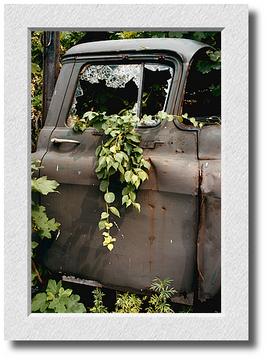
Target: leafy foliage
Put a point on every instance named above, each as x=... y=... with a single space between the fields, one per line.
x=133 y=303
x=163 y=292
x=57 y=299
x=128 y=303
x=36 y=85
x=40 y=222
x=44 y=186
x=213 y=61
x=98 y=302
x=42 y=226
x=67 y=40
x=121 y=156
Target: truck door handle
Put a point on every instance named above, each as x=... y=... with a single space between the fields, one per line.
x=61 y=141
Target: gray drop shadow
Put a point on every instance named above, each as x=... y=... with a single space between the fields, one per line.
x=253 y=215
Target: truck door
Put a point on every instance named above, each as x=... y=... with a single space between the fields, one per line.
x=161 y=239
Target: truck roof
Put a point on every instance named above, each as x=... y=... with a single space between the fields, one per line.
x=185 y=48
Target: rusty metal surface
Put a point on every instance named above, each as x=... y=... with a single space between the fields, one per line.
x=209 y=235
x=160 y=241
x=51 y=67
x=177 y=233
x=183 y=47
x=209 y=146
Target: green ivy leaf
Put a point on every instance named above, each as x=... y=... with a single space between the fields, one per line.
x=132 y=196
x=119 y=157
x=143 y=175
x=146 y=164
x=134 y=178
x=137 y=206
x=102 y=224
x=115 y=211
x=110 y=247
x=125 y=198
x=134 y=138
x=109 y=197
x=104 y=215
x=53 y=287
x=104 y=185
x=39 y=302
x=44 y=186
x=41 y=223
x=128 y=175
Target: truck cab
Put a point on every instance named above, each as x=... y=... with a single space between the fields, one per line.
x=177 y=234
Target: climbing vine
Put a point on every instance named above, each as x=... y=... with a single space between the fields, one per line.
x=120 y=156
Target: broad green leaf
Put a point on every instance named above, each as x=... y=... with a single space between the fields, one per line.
x=104 y=185
x=110 y=247
x=44 y=186
x=125 y=198
x=128 y=175
x=114 y=210
x=125 y=190
x=115 y=165
x=132 y=196
x=113 y=149
x=60 y=308
x=146 y=164
x=41 y=223
x=134 y=138
x=73 y=305
x=39 y=302
x=138 y=150
x=143 y=175
x=134 y=178
x=109 y=197
x=137 y=183
x=102 y=224
x=34 y=244
x=104 y=215
x=137 y=206
x=98 y=150
x=36 y=69
x=128 y=203
x=121 y=169
x=118 y=157
x=53 y=287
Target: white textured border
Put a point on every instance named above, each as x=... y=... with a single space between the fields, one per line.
x=232 y=323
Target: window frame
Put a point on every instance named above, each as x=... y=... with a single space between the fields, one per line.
x=122 y=58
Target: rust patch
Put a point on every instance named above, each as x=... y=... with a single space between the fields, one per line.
x=151 y=235
x=201 y=228
x=153 y=175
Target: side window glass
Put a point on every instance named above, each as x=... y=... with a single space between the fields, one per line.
x=202 y=98
x=140 y=88
x=109 y=88
x=156 y=87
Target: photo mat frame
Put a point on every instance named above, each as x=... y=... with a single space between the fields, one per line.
x=232 y=323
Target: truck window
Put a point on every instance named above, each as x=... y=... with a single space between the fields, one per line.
x=202 y=93
x=115 y=88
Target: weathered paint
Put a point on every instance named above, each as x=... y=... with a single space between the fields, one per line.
x=177 y=233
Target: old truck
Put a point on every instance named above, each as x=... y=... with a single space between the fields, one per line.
x=177 y=234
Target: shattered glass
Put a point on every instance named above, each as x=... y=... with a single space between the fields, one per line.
x=115 y=76
x=114 y=88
